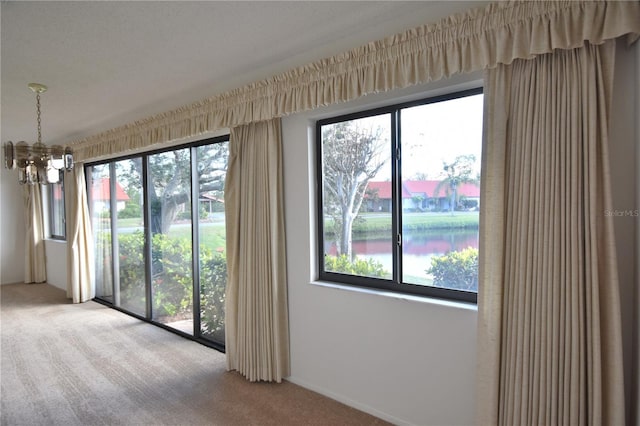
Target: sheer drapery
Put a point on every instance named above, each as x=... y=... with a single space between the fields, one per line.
x=35 y=263
x=80 y=286
x=549 y=343
x=475 y=40
x=256 y=319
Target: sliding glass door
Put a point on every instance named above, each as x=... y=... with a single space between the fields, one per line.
x=169 y=193
x=211 y=166
x=159 y=236
x=129 y=232
x=100 y=207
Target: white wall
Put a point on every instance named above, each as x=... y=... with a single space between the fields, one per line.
x=407 y=360
x=11 y=228
x=56 y=263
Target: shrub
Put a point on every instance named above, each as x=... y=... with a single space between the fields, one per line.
x=342 y=264
x=172 y=280
x=213 y=283
x=131 y=210
x=186 y=214
x=132 y=284
x=456 y=270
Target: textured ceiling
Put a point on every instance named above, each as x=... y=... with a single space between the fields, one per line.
x=111 y=63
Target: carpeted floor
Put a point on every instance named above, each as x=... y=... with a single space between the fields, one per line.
x=65 y=364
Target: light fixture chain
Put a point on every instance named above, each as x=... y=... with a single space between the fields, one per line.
x=38 y=163
x=39 y=121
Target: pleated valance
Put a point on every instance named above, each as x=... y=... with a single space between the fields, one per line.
x=477 y=39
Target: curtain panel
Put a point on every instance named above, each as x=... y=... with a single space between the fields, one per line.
x=549 y=333
x=80 y=285
x=256 y=309
x=478 y=39
x=35 y=262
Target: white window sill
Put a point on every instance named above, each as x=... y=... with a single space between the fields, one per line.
x=54 y=240
x=400 y=296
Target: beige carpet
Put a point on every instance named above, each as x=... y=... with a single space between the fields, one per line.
x=65 y=364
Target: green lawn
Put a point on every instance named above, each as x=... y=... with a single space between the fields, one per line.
x=129 y=222
x=212 y=235
x=381 y=222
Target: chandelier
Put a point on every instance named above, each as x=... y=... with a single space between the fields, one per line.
x=37 y=163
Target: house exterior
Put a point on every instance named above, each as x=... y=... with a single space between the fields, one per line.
x=422 y=195
x=100 y=190
x=208 y=203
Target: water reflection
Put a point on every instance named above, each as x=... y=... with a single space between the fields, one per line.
x=417 y=249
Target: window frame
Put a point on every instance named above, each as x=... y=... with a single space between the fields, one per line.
x=395 y=284
x=51 y=209
x=197 y=335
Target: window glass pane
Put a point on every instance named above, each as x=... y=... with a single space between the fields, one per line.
x=212 y=167
x=441 y=151
x=170 y=217
x=130 y=235
x=101 y=222
x=356 y=195
x=56 y=209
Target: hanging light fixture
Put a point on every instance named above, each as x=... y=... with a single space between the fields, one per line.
x=37 y=163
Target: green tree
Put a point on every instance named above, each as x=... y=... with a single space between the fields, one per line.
x=351 y=156
x=459 y=171
x=170 y=188
x=417 y=201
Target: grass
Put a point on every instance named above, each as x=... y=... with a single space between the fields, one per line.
x=131 y=222
x=381 y=222
x=212 y=235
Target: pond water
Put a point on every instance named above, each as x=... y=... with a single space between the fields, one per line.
x=417 y=249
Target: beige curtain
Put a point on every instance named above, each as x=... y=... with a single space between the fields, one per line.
x=80 y=286
x=477 y=39
x=35 y=261
x=549 y=343
x=256 y=319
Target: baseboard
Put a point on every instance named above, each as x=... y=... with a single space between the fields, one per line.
x=347 y=401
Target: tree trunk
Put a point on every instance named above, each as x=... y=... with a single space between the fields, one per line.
x=454 y=190
x=163 y=211
x=155 y=214
x=345 y=240
x=168 y=215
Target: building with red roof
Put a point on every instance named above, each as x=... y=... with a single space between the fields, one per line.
x=100 y=190
x=422 y=195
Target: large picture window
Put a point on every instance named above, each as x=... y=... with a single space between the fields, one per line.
x=159 y=235
x=399 y=197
